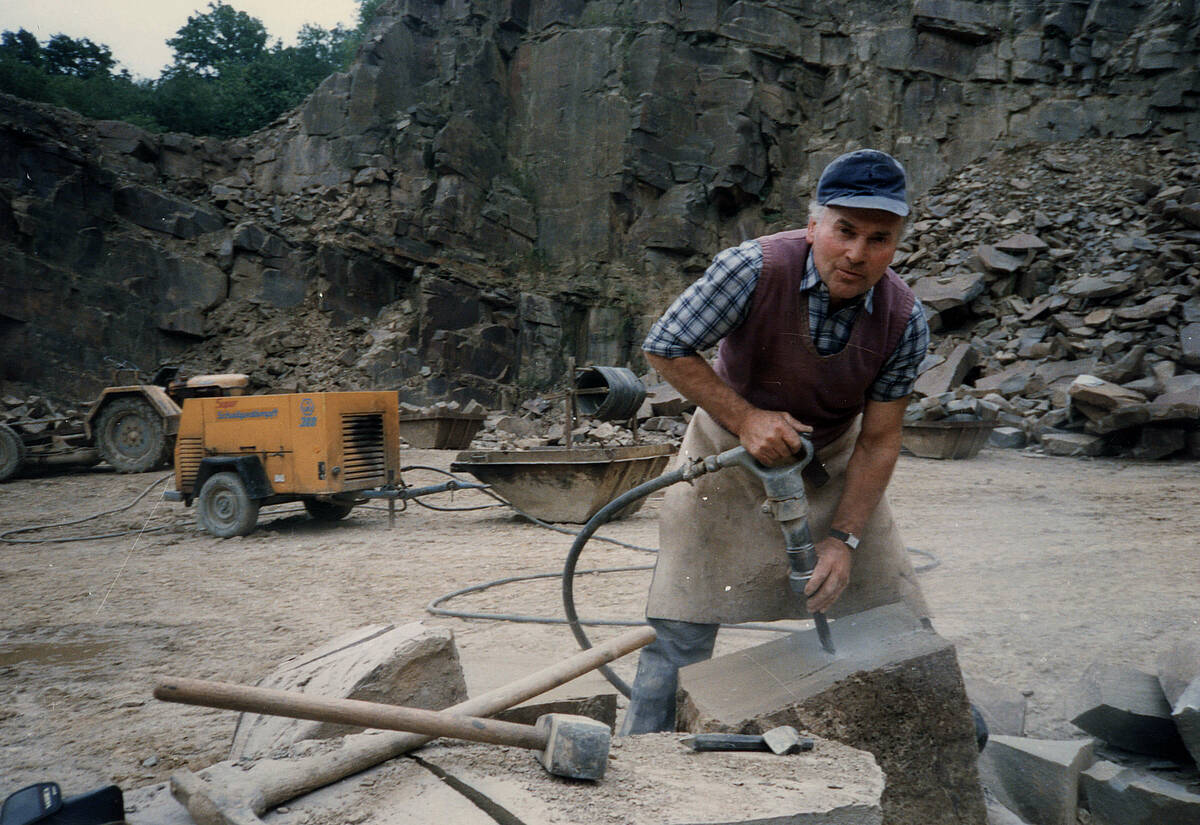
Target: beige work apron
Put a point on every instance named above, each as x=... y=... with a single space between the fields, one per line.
x=721 y=558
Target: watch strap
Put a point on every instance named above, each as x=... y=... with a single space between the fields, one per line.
x=850 y=539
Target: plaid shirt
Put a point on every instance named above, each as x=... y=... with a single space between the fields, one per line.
x=717 y=304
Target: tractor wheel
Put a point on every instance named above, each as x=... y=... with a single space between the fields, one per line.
x=12 y=452
x=130 y=436
x=327 y=510
x=224 y=508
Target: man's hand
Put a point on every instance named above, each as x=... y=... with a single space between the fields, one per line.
x=771 y=436
x=830 y=576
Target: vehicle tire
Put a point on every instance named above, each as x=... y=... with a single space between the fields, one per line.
x=224 y=508
x=12 y=452
x=130 y=436
x=327 y=510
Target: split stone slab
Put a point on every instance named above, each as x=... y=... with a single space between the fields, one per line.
x=893 y=689
x=398 y=792
x=1126 y=708
x=949 y=374
x=1186 y=715
x=410 y=664
x=1036 y=778
x=1117 y=795
x=1056 y=442
x=1178 y=666
x=654 y=779
x=1003 y=708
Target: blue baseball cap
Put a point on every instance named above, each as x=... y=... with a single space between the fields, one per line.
x=864 y=179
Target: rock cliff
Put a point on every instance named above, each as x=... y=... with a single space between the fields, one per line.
x=495 y=186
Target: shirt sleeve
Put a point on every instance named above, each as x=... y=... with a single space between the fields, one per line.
x=899 y=373
x=710 y=308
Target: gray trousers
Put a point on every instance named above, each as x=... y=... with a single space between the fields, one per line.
x=652 y=697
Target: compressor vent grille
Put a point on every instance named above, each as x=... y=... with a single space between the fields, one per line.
x=188 y=454
x=363 y=456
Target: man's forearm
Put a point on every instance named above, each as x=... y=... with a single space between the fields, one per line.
x=696 y=380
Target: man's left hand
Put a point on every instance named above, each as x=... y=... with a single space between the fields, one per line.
x=830 y=576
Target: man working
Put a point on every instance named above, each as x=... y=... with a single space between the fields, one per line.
x=817 y=337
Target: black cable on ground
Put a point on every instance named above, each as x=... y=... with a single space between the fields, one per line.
x=5 y=535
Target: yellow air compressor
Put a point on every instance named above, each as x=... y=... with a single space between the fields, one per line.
x=325 y=449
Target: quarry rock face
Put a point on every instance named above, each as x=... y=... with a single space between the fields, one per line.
x=559 y=169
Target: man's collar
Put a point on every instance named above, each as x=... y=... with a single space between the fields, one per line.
x=812 y=280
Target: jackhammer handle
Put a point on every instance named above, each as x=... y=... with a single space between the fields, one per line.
x=741 y=456
x=249 y=699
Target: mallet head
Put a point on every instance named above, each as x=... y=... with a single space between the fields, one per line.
x=576 y=746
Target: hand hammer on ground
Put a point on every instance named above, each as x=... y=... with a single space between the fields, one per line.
x=571 y=746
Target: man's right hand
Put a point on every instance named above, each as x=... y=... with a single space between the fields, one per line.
x=771 y=436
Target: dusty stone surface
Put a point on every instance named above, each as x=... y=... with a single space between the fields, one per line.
x=655 y=780
x=411 y=664
x=893 y=689
x=1026 y=546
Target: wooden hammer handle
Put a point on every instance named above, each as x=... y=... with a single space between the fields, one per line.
x=294 y=705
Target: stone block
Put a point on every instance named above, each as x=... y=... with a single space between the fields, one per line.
x=1057 y=442
x=1189 y=344
x=950 y=373
x=653 y=779
x=1036 y=778
x=409 y=664
x=1002 y=707
x=1177 y=667
x=893 y=689
x=1126 y=708
x=1127 y=796
x=1186 y=715
x=1012 y=438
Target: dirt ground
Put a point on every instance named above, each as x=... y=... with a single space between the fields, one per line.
x=1045 y=565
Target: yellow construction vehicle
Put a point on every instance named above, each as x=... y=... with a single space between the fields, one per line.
x=325 y=449
x=133 y=426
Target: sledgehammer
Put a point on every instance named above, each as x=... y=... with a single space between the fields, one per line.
x=575 y=747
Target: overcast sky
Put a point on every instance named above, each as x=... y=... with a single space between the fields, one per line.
x=137 y=30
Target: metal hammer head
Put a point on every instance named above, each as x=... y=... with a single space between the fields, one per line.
x=786 y=739
x=576 y=746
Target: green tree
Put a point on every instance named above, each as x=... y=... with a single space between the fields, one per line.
x=222 y=36
x=78 y=58
x=21 y=47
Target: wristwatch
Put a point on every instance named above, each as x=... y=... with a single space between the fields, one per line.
x=850 y=539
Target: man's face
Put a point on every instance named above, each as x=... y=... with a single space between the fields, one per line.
x=852 y=248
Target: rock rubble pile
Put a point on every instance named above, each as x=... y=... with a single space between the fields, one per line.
x=1063 y=285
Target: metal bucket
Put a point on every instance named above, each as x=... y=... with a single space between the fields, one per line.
x=615 y=393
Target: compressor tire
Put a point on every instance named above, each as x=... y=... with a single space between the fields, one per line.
x=12 y=452
x=224 y=508
x=130 y=436
x=327 y=510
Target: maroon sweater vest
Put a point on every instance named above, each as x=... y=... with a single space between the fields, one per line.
x=772 y=362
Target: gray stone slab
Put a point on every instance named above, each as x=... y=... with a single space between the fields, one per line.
x=1002 y=707
x=653 y=779
x=1178 y=667
x=1127 y=796
x=602 y=708
x=893 y=688
x=1186 y=715
x=1126 y=708
x=1036 y=778
x=411 y=664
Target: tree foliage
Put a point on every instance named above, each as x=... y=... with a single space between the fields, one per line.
x=222 y=36
x=225 y=80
